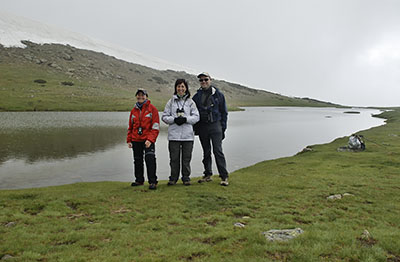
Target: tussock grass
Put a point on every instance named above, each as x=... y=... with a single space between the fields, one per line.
x=110 y=221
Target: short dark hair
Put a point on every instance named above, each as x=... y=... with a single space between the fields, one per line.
x=180 y=81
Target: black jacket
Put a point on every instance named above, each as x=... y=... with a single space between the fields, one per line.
x=214 y=109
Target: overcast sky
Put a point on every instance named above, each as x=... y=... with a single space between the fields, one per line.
x=341 y=51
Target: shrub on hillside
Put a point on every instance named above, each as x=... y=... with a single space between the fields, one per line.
x=67 y=83
x=40 y=81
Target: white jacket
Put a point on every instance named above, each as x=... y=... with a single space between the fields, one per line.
x=183 y=132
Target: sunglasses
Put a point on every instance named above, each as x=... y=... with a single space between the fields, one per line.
x=204 y=80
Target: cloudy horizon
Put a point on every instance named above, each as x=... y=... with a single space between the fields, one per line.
x=345 y=52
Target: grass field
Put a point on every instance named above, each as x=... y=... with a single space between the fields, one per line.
x=19 y=92
x=111 y=221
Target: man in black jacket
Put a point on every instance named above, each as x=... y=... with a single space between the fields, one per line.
x=211 y=128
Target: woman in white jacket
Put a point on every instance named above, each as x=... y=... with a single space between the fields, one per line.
x=180 y=114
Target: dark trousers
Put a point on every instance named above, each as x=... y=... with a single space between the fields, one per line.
x=139 y=149
x=180 y=154
x=212 y=135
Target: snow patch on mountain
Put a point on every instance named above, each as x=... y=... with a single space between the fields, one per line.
x=14 y=28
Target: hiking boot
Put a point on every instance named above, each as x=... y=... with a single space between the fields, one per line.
x=186 y=183
x=136 y=184
x=171 y=183
x=152 y=186
x=224 y=182
x=205 y=179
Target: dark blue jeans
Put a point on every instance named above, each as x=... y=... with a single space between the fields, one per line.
x=139 y=149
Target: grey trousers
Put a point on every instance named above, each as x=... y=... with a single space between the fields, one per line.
x=180 y=154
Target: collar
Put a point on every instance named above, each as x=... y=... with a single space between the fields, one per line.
x=213 y=90
x=176 y=97
x=140 y=106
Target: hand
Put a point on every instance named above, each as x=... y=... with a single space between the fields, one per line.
x=130 y=145
x=180 y=120
x=147 y=144
x=184 y=120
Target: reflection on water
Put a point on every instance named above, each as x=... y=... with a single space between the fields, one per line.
x=50 y=144
x=35 y=136
x=53 y=148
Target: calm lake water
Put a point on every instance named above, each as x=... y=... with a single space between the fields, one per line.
x=53 y=148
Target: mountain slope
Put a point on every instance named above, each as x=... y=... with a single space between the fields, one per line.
x=59 y=70
x=58 y=77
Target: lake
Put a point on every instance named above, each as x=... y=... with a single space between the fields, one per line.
x=52 y=148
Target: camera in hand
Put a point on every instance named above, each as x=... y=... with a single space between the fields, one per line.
x=140 y=131
x=206 y=116
x=180 y=112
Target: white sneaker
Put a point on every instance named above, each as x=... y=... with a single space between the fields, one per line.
x=224 y=182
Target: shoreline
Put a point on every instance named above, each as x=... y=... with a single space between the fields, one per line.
x=215 y=176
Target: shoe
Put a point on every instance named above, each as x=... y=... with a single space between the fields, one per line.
x=171 y=183
x=224 y=182
x=136 y=184
x=205 y=179
x=186 y=183
x=152 y=186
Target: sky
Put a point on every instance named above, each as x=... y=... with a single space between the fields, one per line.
x=340 y=51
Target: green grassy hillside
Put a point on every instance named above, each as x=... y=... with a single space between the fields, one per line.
x=58 y=77
x=111 y=221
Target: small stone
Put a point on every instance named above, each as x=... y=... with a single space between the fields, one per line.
x=246 y=217
x=239 y=225
x=366 y=239
x=5 y=257
x=347 y=194
x=28 y=57
x=10 y=224
x=334 y=197
x=343 y=149
x=366 y=235
x=306 y=149
x=282 y=235
x=67 y=57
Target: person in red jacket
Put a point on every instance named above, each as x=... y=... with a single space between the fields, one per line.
x=144 y=126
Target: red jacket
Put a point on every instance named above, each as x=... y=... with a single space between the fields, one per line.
x=148 y=119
